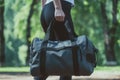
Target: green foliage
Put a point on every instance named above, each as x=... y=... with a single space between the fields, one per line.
x=11 y=49
x=16 y=14
x=22 y=54
x=87 y=20
x=37 y=30
x=20 y=19
x=13 y=40
x=117 y=47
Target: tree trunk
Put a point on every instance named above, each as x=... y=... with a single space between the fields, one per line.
x=28 y=30
x=109 y=33
x=2 y=45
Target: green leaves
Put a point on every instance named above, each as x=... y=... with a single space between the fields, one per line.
x=87 y=19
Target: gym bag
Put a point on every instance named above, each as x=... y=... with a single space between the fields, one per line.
x=76 y=56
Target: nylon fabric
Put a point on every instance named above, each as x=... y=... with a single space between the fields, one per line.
x=59 y=59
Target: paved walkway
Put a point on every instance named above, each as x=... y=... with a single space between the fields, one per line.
x=101 y=75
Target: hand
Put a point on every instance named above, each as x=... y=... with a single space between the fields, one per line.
x=59 y=15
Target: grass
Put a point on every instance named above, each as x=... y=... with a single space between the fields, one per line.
x=14 y=69
x=26 y=69
x=107 y=68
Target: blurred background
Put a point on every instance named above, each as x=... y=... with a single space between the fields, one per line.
x=20 y=23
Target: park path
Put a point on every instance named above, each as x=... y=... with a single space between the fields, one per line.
x=100 y=75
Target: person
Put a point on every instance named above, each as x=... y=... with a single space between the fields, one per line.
x=60 y=11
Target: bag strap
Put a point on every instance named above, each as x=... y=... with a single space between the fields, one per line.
x=49 y=30
x=70 y=32
x=42 y=62
x=43 y=48
x=75 y=60
x=74 y=49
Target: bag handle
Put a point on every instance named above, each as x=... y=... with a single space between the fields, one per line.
x=49 y=30
x=70 y=32
x=74 y=49
x=43 y=48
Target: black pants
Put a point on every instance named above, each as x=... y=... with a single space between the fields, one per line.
x=59 y=27
x=61 y=32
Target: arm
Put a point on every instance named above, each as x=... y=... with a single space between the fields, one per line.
x=57 y=4
x=43 y=2
x=59 y=14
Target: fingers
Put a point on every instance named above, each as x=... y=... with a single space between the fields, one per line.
x=60 y=18
x=59 y=15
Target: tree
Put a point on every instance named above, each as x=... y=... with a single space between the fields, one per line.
x=28 y=29
x=109 y=32
x=2 y=45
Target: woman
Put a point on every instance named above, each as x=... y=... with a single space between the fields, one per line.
x=58 y=10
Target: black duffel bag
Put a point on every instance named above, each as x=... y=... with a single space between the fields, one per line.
x=76 y=56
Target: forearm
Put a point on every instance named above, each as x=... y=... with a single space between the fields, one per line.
x=57 y=4
x=59 y=13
